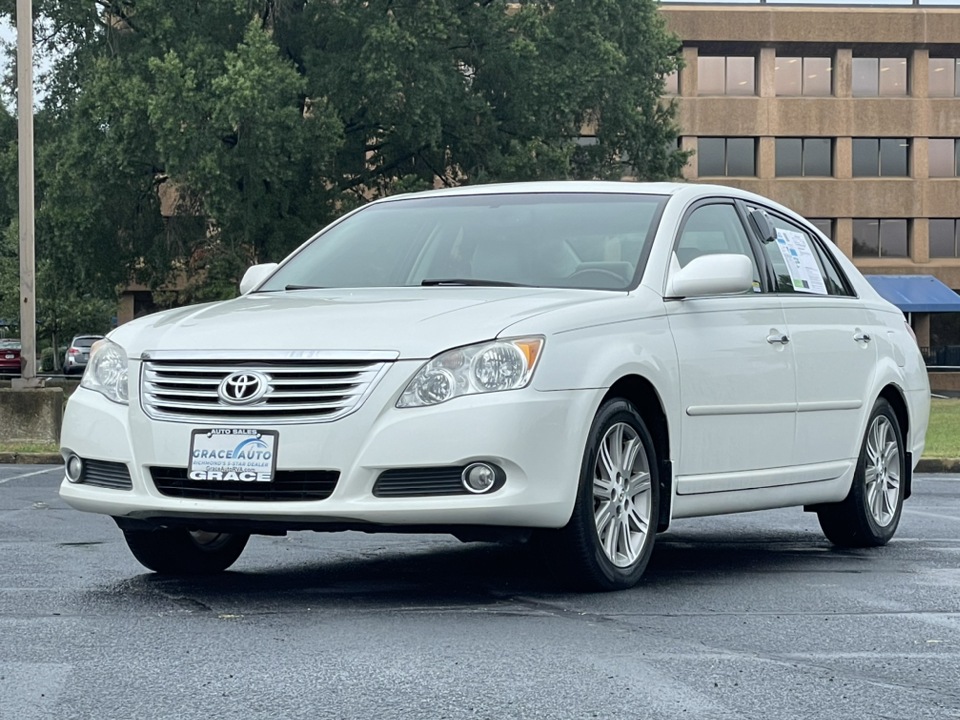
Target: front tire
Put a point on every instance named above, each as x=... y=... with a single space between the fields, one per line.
x=870 y=514
x=178 y=551
x=609 y=539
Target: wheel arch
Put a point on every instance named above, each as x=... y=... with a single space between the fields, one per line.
x=644 y=396
x=894 y=395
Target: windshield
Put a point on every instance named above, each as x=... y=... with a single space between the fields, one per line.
x=85 y=342
x=586 y=240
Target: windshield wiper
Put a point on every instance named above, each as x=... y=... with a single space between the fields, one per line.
x=305 y=287
x=471 y=282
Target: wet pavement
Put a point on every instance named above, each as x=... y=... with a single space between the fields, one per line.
x=743 y=616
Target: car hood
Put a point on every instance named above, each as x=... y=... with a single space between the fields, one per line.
x=414 y=322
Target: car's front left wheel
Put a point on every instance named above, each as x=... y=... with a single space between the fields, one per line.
x=178 y=551
x=609 y=539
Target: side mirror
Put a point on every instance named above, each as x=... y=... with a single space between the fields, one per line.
x=762 y=226
x=255 y=275
x=712 y=275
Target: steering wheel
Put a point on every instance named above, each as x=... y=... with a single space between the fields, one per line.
x=601 y=274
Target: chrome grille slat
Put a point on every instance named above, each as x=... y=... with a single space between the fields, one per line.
x=300 y=390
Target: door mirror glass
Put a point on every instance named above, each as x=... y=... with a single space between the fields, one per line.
x=255 y=275
x=762 y=225
x=712 y=275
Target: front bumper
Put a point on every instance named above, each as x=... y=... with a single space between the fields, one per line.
x=536 y=437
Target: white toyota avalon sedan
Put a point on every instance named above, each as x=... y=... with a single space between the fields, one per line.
x=581 y=361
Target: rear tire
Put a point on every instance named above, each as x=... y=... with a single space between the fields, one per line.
x=609 y=539
x=870 y=514
x=178 y=551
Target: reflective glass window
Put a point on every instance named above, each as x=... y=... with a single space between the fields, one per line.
x=866 y=238
x=893 y=77
x=893 y=157
x=893 y=238
x=943 y=72
x=943 y=238
x=740 y=76
x=711 y=73
x=866 y=77
x=741 y=157
x=817 y=77
x=789 y=157
x=866 y=157
x=817 y=157
x=788 y=75
x=714 y=229
x=711 y=156
x=941 y=155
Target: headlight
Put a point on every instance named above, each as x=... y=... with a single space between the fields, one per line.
x=483 y=368
x=107 y=371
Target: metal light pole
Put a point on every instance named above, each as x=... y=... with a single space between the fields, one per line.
x=28 y=299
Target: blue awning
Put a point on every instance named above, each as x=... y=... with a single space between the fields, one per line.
x=916 y=293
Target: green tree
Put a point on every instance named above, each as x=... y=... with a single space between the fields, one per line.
x=192 y=139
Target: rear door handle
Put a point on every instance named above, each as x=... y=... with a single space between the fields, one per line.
x=777 y=338
x=862 y=337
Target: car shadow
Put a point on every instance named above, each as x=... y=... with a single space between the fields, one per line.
x=398 y=577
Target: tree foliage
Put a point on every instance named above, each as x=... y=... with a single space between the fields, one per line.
x=189 y=139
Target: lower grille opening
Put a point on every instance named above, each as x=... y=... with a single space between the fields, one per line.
x=287 y=485
x=106 y=474
x=420 y=482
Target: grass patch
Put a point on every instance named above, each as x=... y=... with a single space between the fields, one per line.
x=943 y=435
x=29 y=448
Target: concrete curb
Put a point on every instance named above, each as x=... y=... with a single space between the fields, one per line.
x=31 y=458
x=938 y=465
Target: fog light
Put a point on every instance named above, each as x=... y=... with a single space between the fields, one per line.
x=479 y=477
x=74 y=468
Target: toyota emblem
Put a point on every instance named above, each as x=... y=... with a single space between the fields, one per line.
x=243 y=388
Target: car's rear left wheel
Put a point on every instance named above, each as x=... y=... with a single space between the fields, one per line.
x=609 y=539
x=178 y=551
x=870 y=514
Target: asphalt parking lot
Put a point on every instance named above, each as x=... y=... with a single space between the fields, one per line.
x=746 y=616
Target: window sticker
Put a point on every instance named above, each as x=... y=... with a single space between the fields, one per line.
x=801 y=264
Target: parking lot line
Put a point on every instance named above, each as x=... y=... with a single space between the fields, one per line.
x=29 y=474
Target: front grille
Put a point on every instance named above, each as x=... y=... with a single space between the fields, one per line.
x=420 y=482
x=298 y=390
x=287 y=485
x=106 y=474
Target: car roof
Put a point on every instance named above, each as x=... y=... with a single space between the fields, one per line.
x=686 y=191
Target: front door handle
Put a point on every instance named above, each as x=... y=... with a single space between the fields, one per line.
x=775 y=338
x=862 y=337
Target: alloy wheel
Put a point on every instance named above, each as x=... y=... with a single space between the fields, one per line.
x=882 y=471
x=622 y=494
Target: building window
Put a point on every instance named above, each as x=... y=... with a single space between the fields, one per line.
x=726 y=75
x=804 y=157
x=824 y=225
x=880 y=238
x=944 y=77
x=731 y=157
x=809 y=76
x=885 y=77
x=943 y=237
x=880 y=157
x=943 y=155
x=671 y=83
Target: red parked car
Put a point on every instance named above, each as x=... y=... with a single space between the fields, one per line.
x=9 y=356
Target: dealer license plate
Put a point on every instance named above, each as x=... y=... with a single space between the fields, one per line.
x=233 y=455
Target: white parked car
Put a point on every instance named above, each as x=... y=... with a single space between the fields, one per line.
x=587 y=361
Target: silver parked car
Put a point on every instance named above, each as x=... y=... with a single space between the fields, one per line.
x=77 y=355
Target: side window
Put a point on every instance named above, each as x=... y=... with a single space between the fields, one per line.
x=711 y=230
x=799 y=263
